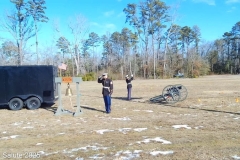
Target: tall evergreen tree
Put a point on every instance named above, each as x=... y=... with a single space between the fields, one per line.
x=19 y=27
x=36 y=9
x=152 y=16
x=93 y=41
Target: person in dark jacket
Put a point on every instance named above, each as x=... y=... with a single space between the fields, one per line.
x=129 y=86
x=107 y=91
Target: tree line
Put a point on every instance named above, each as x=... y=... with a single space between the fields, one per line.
x=153 y=46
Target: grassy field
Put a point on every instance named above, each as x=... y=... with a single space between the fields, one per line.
x=206 y=126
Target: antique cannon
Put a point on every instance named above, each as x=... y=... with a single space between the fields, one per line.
x=171 y=94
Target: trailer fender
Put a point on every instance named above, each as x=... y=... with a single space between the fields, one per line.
x=25 y=97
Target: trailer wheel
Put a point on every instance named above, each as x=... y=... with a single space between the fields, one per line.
x=15 y=104
x=33 y=103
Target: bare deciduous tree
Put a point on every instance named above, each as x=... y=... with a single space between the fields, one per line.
x=17 y=24
x=79 y=28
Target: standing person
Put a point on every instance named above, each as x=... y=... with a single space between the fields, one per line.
x=106 y=91
x=129 y=86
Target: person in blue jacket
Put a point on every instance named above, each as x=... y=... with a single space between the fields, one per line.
x=129 y=86
x=107 y=91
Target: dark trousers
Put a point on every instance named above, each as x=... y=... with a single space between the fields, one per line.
x=129 y=93
x=107 y=101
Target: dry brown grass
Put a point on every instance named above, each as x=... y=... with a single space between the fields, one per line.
x=212 y=111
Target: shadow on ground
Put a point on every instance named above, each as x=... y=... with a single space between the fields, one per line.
x=90 y=108
x=53 y=109
x=125 y=98
x=211 y=110
x=49 y=107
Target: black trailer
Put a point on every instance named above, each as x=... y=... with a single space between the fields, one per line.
x=27 y=85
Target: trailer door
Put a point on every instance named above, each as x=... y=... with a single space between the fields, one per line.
x=2 y=86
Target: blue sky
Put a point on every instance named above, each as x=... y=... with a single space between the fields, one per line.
x=213 y=17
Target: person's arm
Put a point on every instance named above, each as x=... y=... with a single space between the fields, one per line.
x=100 y=79
x=111 y=87
x=132 y=77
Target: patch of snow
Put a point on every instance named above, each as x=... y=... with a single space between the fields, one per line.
x=157 y=139
x=136 y=110
x=61 y=133
x=157 y=127
x=237 y=118
x=118 y=153
x=97 y=156
x=103 y=130
x=198 y=127
x=47 y=154
x=82 y=131
x=17 y=123
x=65 y=124
x=39 y=144
x=41 y=152
x=148 y=110
x=127 y=152
x=181 y=126
x=139 y=129
x=127 y=155
x=154 y=153
x=124 y=130
x=235 y=157
x=123 y=119
x=4 y=132
x=95 y=148
x=137 y=151
x=28 y=127
x=14 y=136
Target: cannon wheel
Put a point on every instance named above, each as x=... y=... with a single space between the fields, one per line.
x=183 y=91
x=171 y=94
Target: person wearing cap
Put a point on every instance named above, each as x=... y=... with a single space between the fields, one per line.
x=129 y=86
x=107 y=91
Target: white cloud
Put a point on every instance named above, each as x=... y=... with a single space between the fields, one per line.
x=103 y=28
x=232 y=9
x=121 y=14
x=109 y=13
x=110 y=26
x=107 y=26
x=209 y=2
x=232 y=1
x=95 y=24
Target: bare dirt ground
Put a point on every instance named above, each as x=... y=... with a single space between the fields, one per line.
x=205 y=126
